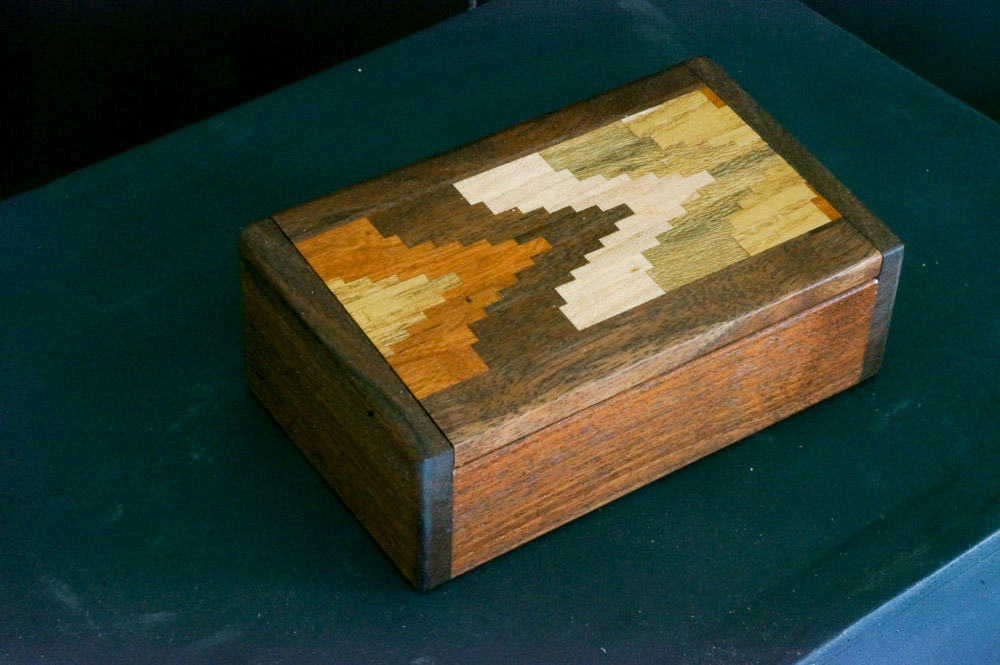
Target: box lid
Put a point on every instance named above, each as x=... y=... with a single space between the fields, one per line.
x=515 y=281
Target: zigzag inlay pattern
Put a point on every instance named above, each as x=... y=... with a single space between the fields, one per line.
x=530 y=183
x=692 y=148
x=689 y=187
x=617 y=273
x=416 y=303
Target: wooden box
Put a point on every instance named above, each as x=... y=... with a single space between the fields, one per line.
x=475 y=349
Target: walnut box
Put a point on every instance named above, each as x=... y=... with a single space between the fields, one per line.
x=478 y=348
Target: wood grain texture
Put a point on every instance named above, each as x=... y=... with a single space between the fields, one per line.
x=416 y=303
x=577 y=464
x=349 y=413
x=553 y=375
x=692 y=147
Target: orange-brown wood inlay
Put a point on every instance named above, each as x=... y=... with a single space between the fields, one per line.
x=826 y=207
x=422 y=331
x=577 y=464
x=712 y=97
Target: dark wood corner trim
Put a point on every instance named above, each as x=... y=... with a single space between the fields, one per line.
x=878 y=333
x=350 y=414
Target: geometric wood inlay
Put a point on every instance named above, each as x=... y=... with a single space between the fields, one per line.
x=740 y=198
x=615 y=278
x=386 y=309
x=757 y=200
x=692 y=188
x=416 y=303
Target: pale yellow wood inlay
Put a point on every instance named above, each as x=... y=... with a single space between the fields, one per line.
x=386 y=309
x=693 y=120
x=766 y=222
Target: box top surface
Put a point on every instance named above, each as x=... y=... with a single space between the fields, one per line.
x=528 y=276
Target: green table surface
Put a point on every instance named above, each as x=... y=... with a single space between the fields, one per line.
x=151 y=510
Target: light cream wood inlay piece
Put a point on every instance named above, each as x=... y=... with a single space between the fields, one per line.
x=616 y=276
x=530 y=183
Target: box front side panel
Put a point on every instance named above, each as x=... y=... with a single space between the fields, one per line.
x=571 y=467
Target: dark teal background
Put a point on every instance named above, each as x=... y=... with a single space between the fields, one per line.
x=85 y=80
x=151 y=511
x=955 y=44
